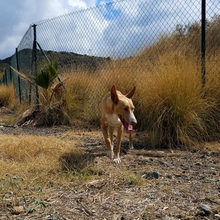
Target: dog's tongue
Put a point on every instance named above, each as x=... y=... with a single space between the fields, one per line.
x=127 y=126
x=130 y=128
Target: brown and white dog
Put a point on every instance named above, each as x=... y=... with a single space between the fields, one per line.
x=117 y=111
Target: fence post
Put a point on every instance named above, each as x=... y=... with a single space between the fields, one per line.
x=5 y=78
x=10 y=71
x=203 y=42
x=19 y=80
x=34 y=60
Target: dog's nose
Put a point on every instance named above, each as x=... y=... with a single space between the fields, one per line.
x=134 y=122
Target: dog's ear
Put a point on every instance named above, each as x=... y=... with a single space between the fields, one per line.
x=114 y=95
x=131 y=93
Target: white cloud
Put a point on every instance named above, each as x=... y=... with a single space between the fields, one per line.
x=101 y=2
x=16 y=17
x=77 y=32
x=77 y=3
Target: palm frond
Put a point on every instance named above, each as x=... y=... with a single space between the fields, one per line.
x=47 y=74
x=22 y=76
x=43 y=80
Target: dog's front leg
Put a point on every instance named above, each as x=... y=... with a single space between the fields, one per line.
x=131 y=147
x=118 y=146
x=110 y=151
x=108 y=141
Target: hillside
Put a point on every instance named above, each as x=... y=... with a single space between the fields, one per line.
x=67 y=61
x=4 y=64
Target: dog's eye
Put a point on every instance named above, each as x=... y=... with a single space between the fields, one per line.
x=126 y=109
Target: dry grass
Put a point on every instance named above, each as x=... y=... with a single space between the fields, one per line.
x=7 y=96
x=77 y=96
x=172 y=107
x=31 y=167
x=41 y=160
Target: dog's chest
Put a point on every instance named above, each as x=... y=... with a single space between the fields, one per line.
x=112 y=120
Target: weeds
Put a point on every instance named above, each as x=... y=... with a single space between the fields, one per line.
x=44 y=163
x=17 y=200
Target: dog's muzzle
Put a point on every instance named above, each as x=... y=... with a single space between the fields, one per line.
x=128 y=126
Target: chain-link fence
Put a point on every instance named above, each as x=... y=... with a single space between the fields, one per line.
x=88 y=39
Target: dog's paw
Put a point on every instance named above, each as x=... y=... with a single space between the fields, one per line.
x=117 y=160
x=131 y=147
x=110 y=154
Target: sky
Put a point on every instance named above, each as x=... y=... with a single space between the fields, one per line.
x=96 y=27
x=17 y=15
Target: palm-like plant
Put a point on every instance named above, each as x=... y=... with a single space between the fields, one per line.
x=53 y=97
x=46 y=76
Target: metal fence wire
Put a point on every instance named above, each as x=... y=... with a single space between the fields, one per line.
x=121 y=29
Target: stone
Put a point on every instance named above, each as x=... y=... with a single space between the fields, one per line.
x=205 y=209
x=151 y=175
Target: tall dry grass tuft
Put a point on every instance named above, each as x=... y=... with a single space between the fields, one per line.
x=7 y=96
x=170 y=102
x=212 y=95
x=78 y=96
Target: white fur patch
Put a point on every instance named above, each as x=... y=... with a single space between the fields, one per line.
x=132 y=117
x=131 y=147
x=110 y=154
x=117 y=159
x=113 y=120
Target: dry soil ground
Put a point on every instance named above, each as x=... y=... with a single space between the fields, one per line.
x=147 y=184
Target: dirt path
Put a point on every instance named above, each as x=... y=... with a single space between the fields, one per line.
x=146 y=185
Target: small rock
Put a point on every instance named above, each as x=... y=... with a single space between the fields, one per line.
x=205 y=209
x=217 y=216
x=169 y=176
x=151 y=175
x=201 y=213
x=16 y=210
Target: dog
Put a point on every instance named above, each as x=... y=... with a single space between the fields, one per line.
x=117 y=111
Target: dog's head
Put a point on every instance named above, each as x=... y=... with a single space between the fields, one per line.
x=124 y=107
